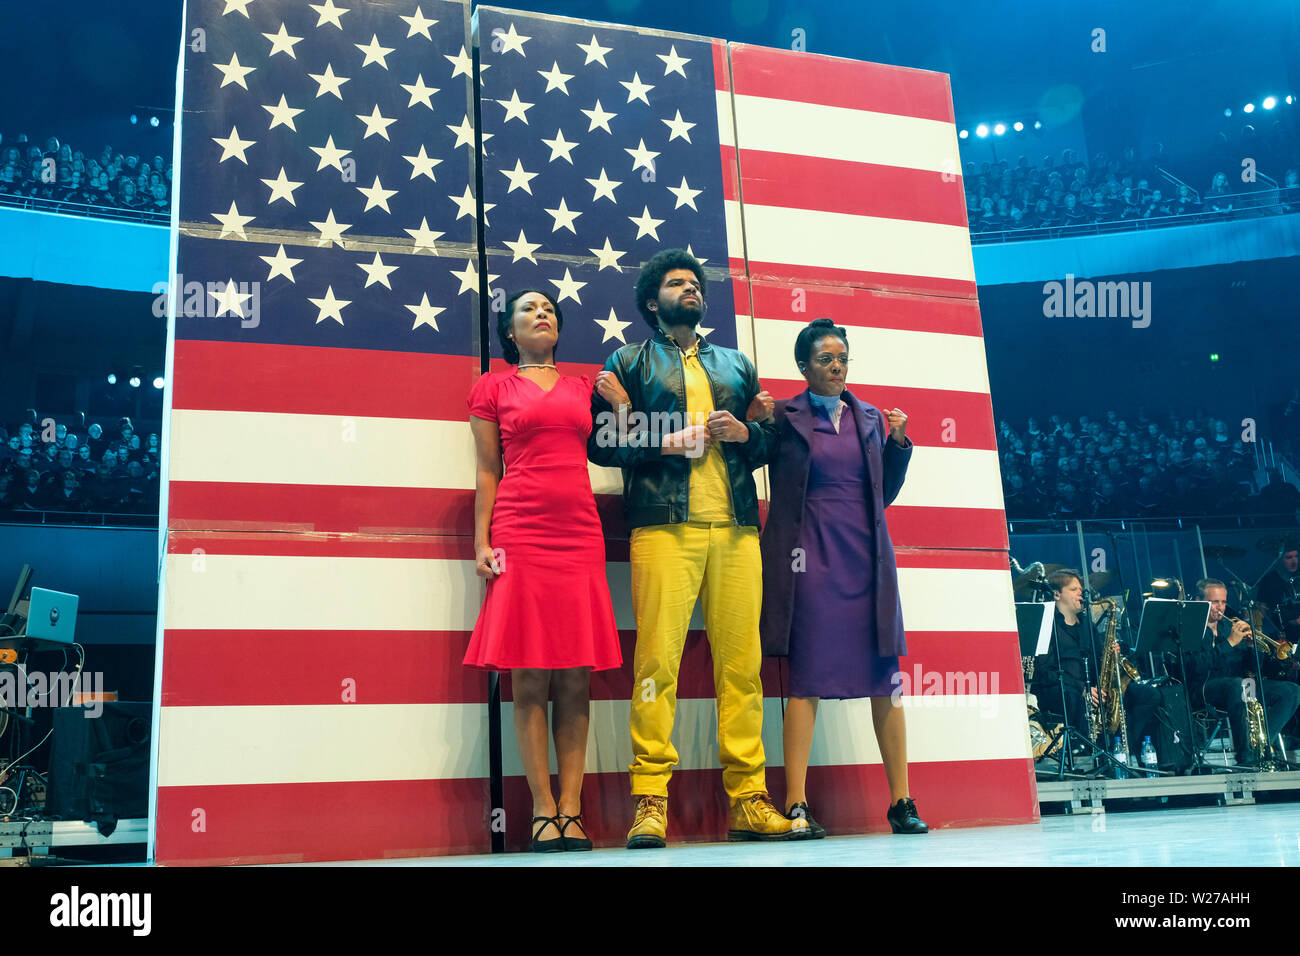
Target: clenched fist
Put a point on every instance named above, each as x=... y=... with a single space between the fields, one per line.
x=760 y=409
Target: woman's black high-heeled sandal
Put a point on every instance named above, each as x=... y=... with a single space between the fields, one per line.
x=573 y=843
x=553 y=845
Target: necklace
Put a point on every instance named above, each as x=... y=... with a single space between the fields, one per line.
x=537 y=366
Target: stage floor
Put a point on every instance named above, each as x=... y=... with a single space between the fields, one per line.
x=1266 y=835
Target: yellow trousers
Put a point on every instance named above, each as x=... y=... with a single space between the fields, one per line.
x=672 y=565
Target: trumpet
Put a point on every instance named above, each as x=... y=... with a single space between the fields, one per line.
x=1279 y=650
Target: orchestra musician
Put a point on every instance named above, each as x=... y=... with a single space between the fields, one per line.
x=1280 y=590
x=1222 y=669
x=1072 y=638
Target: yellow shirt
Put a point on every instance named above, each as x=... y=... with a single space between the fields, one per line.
x=710 y=492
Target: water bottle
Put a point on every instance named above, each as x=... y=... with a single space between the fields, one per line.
x=1149 y=759
x=1121 y=759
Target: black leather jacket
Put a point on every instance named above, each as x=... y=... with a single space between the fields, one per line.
x=656 y=486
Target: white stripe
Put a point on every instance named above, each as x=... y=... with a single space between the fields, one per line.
x=735 y=230
x=241 y=591
x=222 y=746
x=893 y=357
x=950 y=599
x=605 y=481
x=837 y=132
x=726 y=119
x=834 y=240
x=319 y=743
x=279 y=448
x=956 y=727
x=292 y=592
x=944 y=477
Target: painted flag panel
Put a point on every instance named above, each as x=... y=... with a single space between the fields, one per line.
x=326 y=266
x=325 y=336
x=322 y=529
x=849 y=173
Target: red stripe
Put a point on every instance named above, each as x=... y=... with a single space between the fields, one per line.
x=247 y=377
x=956 y=560
x=851 y=188
x=934 y=416
x=866 y=308
x=301 y=822
x=211 y=668
x=248 y=506
x=887 y=281
x=296 y=823
x=730 y=177
x=911 y=526
x=721 y=69
x=233 y=668
x=832 y=81
x=448 y=548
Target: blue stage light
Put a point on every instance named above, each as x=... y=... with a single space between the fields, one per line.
x=1248 y=108
x=153 y=121
x=1038 y=124
x=1018 y=127
x=134 y=381
x=112 y=379
x=134 y=119
x=1227 y=111
x=1270 y=102
x=964 y=134
x=1289 y=99
x=1000 y=129
x=158 y=382
x=981 y=131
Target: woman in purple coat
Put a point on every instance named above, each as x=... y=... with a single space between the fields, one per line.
x=830 y=582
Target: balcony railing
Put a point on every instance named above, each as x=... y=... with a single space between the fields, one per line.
x=85 y=209
x=1251 y=205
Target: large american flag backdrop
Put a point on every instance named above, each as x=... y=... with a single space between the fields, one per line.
x=318 y=586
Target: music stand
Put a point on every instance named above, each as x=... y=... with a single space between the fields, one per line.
x=1164 y=621
x=1036 y=627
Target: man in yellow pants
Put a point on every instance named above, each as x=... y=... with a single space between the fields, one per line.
x=692 y=506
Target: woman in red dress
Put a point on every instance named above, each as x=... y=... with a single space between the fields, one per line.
x=547 y=617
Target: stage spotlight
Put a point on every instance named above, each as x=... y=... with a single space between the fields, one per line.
x=1214 y=356
x=112 y=379
x=153 y=121
x=1289 y=99
x=1000 y=129
x=1248 y=108
x=1270 y=102
x=1227 y=111
x=981 y=131
x=963 y=134
x=1038 y=124
x=1019 y=127
x=134 y=381
x=134 y=119
x=158 y=382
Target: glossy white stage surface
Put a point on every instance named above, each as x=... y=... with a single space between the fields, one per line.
x=1267 y=835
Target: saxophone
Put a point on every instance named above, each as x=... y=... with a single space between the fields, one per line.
x=1116 y=674
x=1255 y=732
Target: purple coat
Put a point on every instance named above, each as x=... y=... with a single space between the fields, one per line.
x=789 y=466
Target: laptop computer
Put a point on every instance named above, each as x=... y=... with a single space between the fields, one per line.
x=52 y=616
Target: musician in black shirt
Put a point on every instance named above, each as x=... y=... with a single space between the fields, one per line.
x=1072 y=637
x=1280 y=590
x=1072 y=644
x=1224 y=665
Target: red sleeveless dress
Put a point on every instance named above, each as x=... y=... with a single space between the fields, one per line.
x=550 y=608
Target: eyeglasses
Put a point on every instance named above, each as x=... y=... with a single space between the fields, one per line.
x=825 y=360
